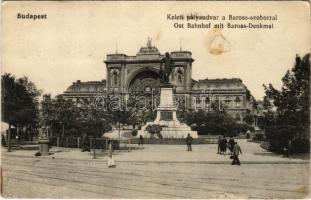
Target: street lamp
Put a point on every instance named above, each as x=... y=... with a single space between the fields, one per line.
x=43 y=141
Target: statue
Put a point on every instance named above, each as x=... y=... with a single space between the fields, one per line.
x=149 y=43
x=168 y=67
x=43 y=132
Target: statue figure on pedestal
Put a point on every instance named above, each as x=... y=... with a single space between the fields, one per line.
x=167 y=70
x=44 y=132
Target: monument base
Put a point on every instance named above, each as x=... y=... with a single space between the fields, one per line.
x=166 y=117
x=170 y=129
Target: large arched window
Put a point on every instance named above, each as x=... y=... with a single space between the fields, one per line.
x=145 y=81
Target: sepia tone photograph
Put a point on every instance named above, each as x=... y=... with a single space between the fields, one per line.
x=155 y=100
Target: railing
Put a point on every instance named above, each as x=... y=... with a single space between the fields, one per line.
x=78 y=142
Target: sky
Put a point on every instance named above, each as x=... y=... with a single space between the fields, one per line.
x=72 y=43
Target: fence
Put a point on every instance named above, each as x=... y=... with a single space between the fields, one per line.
x=171 y=141
x=77 y=142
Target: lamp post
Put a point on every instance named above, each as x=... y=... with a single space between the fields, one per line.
x=43 y=142
x=43 y=139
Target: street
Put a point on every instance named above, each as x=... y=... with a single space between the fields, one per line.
x=61 y=177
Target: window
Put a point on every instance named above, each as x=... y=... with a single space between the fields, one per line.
x=216 y=101
x=207 y=102
x=237 y=101
x=227 y=100
x=115 y=78
x=198 y=100
x=179 y=78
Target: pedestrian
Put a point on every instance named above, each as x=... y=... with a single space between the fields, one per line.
x=289 y=148
x=141 y=140
x=219 y=145
x=236 y=151
x=85 y=145
x=231 y=144
x=3 y=142
x=224 y=145
x=111 y=163
x=189 y=141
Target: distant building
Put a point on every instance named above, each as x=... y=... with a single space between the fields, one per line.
x=139 y=74
x=85 y=89
x=231 y=95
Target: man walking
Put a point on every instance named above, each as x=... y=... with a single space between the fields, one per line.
x=236 y=151
x=224 y=145
x=189 y=141
x=85 y=146
x=219 y=145
x=231 y=144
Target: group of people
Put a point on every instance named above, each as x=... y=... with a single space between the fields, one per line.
x=234 y=148
x=224 y=144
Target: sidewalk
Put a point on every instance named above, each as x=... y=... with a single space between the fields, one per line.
x=205 y=154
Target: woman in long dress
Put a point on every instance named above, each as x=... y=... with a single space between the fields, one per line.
x=110 y=157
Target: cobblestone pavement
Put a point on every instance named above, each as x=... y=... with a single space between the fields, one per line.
x=78 y=176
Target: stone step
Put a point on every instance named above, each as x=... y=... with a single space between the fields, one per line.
x=178 y=134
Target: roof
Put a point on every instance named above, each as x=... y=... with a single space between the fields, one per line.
x=88 y=86
x=223 y=84
x=148 y=53
x=223 y=80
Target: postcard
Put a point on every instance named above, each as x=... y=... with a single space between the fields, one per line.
x=155 y=99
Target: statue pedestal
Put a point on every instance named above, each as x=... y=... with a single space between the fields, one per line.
x=166 y=117
x=44 y=146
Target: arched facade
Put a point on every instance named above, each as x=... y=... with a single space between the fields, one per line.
x=145 y=81
x=127 y=74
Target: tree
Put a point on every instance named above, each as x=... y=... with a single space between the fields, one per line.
x=124 y=112
x=213 y=122
x=287 y=110
x=19 y=101
x=93 y=121
x=48 y=112
x=69 y=118
x=249 y=119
